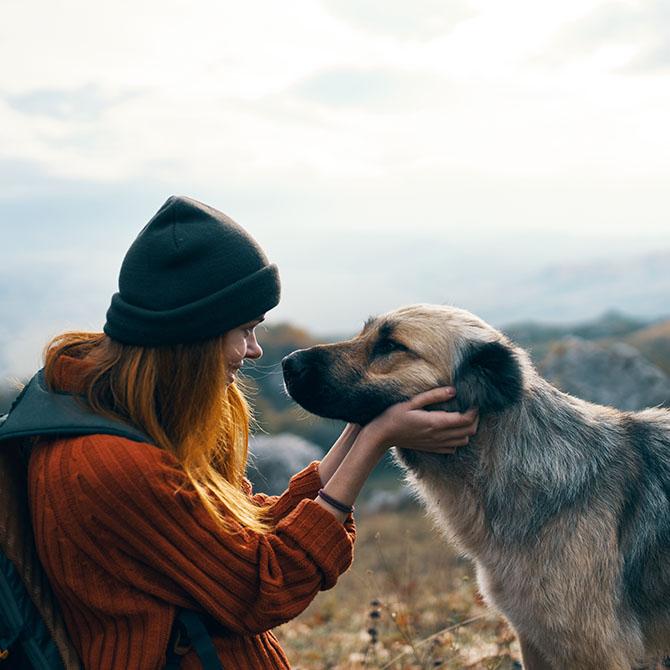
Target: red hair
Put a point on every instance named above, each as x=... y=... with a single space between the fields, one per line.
x=177 y=395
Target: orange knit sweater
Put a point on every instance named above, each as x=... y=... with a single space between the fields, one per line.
x=125 y=542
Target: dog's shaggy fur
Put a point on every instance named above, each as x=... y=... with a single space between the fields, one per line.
x=563 y=504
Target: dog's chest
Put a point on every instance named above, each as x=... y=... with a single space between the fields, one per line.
x=454 y=506
x=451 y=488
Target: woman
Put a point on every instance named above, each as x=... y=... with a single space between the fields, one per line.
x=129 y=532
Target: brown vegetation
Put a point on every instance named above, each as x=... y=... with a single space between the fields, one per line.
x=407 y=603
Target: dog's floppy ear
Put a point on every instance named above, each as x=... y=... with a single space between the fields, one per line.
x=489 y=377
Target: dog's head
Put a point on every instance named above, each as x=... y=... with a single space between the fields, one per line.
x=402 y=353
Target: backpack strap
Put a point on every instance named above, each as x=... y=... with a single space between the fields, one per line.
x=188 y=630
x=39 y=411
x=24 y=637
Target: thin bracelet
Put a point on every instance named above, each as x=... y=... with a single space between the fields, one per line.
x=335 y=503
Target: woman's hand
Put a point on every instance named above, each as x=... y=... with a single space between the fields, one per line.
x=408 y=425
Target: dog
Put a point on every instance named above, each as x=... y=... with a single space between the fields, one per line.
x=563 y=505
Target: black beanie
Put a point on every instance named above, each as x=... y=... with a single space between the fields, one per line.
x=191 y=274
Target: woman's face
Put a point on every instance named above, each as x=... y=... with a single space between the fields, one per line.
x=240 y=343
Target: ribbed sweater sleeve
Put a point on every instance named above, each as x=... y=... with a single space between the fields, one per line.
x=304 y=484
x=131 y=509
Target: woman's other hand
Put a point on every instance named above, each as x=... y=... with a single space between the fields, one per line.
x=408 y=425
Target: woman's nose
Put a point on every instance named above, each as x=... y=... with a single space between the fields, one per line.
x=253 y=348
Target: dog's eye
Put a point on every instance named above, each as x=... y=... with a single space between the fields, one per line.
x=384 y=347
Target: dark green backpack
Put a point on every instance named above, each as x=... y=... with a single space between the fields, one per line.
x=32 y=632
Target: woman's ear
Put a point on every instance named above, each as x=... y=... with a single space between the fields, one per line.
x=489 y=377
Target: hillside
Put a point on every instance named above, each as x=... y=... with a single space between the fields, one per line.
x=538 y=337
x=7 y=394
x=654 y=343
x=338 y=280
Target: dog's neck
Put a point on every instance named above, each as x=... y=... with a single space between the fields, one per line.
x=530 y=460
x=540 y=455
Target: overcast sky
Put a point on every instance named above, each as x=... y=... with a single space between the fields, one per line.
x=530 y=130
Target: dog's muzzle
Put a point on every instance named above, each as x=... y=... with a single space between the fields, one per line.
x=302 y=378
x=309 y=381
x=291 y=365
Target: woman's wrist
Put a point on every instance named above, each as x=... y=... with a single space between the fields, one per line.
x=371 y=439
x=331 y=461
x=349 y=435
x=333 y=502
x=356 y=466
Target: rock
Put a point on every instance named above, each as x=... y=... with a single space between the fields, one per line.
x=613 y=374
x=274 y=459
x=384 y=500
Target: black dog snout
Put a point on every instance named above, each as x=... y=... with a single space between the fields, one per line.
x=291 y=364
x=303 y=374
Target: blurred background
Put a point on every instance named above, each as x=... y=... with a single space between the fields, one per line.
x=511 y=158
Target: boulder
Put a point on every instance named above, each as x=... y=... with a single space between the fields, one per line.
x=607 y=373
x=274 y=459
x=385 y=500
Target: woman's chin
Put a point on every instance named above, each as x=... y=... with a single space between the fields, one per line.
x=232 y=375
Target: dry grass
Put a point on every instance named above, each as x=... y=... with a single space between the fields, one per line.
x=407 y=603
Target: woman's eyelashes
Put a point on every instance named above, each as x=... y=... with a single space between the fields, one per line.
x=250 y=330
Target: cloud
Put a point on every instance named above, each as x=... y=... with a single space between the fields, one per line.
x=369 y=88
x=640 y=28
x=20 y=177
x=655 y=58
x=83 y=103
x=417 y=20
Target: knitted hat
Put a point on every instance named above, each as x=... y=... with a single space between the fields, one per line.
x=191 y=274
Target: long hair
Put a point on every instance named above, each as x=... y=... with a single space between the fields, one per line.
x=177 y=395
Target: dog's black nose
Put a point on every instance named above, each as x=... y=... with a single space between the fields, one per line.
x=291 y=364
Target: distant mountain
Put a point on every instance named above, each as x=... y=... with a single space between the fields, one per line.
x=333 y=283
x=7 y=395
x=537 y=337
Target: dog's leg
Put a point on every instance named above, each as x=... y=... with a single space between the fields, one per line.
x=532 y=658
